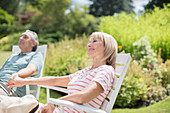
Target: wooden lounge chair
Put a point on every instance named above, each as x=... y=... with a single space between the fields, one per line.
x=122 y=64
x=33 y=89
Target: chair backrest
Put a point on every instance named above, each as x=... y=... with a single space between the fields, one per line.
x=33 y=89
x=122 y=64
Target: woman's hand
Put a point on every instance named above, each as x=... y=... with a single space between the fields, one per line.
x=47 y=108
x=15 y=81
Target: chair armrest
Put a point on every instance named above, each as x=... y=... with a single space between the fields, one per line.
x=64 y=90
x=32 y=89
x=69 y=104
x=28 y=87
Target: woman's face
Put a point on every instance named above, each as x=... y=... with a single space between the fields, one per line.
x=95 y=48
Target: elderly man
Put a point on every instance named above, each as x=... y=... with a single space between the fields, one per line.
x=25 y=64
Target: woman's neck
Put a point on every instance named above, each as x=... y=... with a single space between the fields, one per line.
x=97 y=63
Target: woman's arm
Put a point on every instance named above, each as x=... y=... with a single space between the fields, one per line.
x=84 y=96
x=90 y=92
x=52 y=81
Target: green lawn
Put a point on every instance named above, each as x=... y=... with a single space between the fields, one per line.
x=3 y=56
x=160 y=107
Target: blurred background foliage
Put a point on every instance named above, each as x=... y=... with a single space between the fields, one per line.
x=126 y=29
x=65 y=28
x=109 y=7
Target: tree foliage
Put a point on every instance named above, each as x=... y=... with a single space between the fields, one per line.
x=158 y=3
x=126 y=29
x=50 y=19
x=6 y=21
x=53 y=19
x=56 y=19
x=10 y=6
x=109 y=7
x=79 y=22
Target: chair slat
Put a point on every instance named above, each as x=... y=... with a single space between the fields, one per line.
x=120 y=69
x=116 y=80
x=104 y=104
x=109 y=96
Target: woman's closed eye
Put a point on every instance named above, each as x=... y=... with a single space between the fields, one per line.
x=94 y=40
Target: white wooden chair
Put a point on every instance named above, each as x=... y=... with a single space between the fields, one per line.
x=122 y=64
x=33 y=89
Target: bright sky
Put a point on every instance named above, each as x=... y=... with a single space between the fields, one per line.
x=81 y=2
x=139 y=5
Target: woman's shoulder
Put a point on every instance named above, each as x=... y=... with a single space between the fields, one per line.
x=106 y=68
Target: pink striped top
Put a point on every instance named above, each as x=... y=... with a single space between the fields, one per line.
x=79 y=80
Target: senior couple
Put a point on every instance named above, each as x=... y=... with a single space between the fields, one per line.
x=88 y=86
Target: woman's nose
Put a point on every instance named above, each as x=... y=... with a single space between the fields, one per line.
x=21 y=37
x=89 y=45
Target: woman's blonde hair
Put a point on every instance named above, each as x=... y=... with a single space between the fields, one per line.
x=110 y=45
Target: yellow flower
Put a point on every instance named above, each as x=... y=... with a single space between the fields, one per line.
x=119 y=47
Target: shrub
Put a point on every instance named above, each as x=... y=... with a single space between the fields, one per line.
x=6 y=21
x=150 y=62
x=133 y=88
x=7 y=42
x=153 y=70
x=166 y=77
x=126 y=30
x=67 y=56
x=144 y=81
x=142 y=48
x=142 y=52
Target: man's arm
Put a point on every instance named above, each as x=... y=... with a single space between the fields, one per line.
x=26 y=72
x=34 y=67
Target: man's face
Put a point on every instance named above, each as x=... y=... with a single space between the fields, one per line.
x=25 y=43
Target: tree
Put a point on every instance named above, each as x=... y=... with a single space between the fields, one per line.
x=50 y=19
x=6 y=21
x=9 y=5
x=79 y=22
x=57 y=19
x=18 y=6
x=109 y=7
x=158 y=3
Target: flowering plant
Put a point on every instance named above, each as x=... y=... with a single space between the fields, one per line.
x=153 y=69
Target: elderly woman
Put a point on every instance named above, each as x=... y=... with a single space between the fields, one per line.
x=88 y=86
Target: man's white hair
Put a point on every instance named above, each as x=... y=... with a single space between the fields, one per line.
x=33 y=35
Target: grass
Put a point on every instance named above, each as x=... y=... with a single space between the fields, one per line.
x=3 y=56
x=53 y=94
x=160 y=107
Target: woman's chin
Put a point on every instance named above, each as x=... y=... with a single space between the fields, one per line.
x=90 y=56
